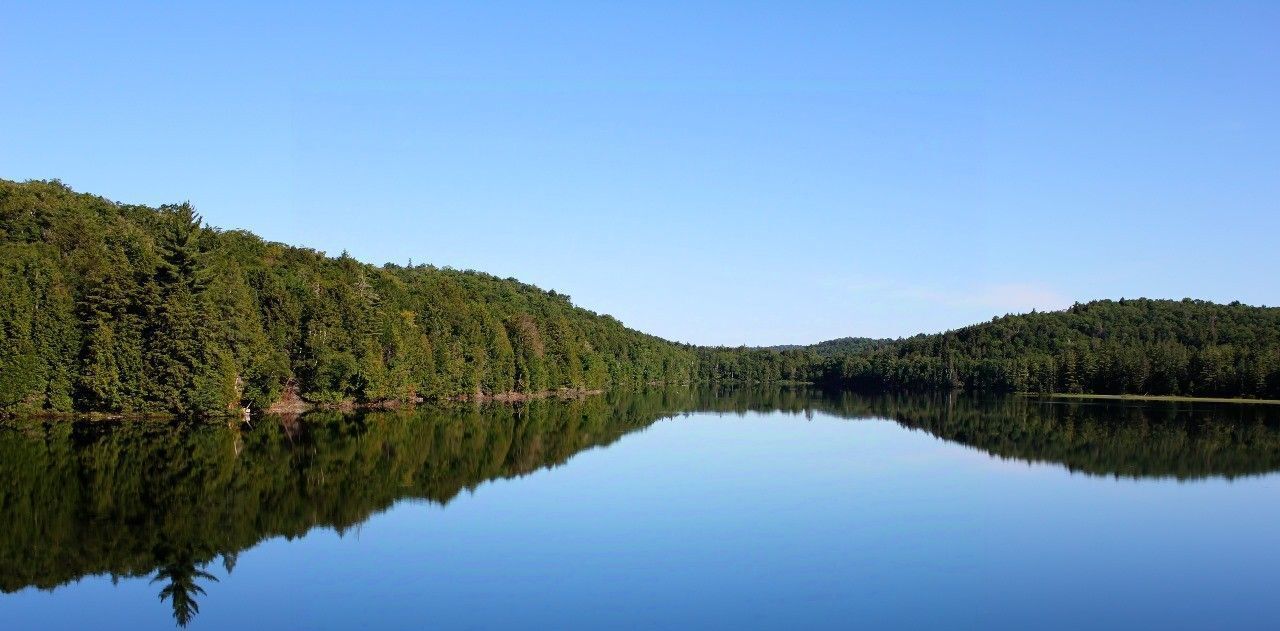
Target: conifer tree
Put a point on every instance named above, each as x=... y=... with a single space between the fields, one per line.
x=189 y=372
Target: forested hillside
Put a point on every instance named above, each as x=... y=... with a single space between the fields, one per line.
x=107 y=307
x=838 y=346
x=119 y=308
x=1160 y=347
x=845 y=346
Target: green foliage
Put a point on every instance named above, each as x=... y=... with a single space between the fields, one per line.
x=755 y=365
x=37 y=330
x=1159 y=347
x=839 y=346
x=115 y=308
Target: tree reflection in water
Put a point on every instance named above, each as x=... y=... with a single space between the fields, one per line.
x=179 y=573
x=140 y=498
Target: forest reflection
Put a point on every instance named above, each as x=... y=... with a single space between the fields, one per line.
x=166 y=499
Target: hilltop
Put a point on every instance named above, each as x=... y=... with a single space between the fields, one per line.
x=1128 y=346
x=126 y=309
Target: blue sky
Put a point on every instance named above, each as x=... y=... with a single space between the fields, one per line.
x=721 y=173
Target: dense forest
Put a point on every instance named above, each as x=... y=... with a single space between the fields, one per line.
x=1158 y=347
x=839 y=346
x=118 y=308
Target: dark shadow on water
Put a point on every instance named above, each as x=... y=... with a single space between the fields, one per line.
x=165 y=499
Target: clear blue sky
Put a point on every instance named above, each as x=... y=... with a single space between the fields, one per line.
x=735 y=172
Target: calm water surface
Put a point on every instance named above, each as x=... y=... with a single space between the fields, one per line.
x=727 y=509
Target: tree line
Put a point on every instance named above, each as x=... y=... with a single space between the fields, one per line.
x=1157 y=347
x=118 y=308
x=110 y=307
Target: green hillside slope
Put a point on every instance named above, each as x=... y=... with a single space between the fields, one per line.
x=118 y=308
x=115 y=308
x=1160 y=347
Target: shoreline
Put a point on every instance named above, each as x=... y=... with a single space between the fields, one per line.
x=1167 y=398
x=298 y=406
x=294 y=406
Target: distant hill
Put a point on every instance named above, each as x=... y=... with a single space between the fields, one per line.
x=846 y=345
x=1163 y=347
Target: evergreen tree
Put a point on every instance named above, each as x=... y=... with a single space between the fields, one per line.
x=190 y=372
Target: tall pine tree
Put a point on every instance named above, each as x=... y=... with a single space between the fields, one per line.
x=191 y=372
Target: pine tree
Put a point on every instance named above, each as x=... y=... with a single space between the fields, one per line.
x=189 y=371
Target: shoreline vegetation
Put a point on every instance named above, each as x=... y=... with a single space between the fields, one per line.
x=289 y=408
x=1147 y=397
x=129 y=310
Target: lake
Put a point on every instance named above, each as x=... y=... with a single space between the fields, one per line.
x=689 y=508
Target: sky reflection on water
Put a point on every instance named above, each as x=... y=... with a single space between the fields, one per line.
x=611 y=512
